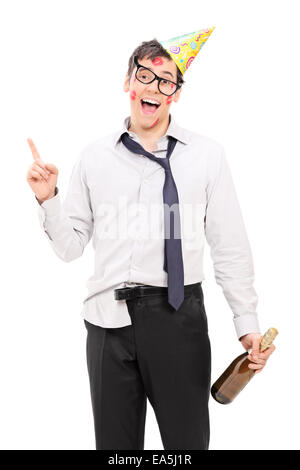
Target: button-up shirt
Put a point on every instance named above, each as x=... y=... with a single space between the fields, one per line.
x=115 y=197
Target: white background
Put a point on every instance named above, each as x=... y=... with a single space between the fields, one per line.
x=63 y=64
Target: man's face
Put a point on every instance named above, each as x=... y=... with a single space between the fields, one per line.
x=148 y=116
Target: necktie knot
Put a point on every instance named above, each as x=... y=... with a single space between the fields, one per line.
x=138 y=149
x=165 y=163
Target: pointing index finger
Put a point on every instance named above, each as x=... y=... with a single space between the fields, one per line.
x=33 y=149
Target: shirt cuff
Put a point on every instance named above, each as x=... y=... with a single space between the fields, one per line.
x=50 y=206
x=47 y=207
x=246 y=324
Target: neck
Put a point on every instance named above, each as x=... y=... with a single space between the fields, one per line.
x=152 y=134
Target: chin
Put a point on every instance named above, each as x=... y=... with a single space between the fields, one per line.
x=147 y=121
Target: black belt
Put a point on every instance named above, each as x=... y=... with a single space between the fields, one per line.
x=142 y=291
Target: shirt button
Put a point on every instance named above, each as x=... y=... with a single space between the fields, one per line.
x=146 y=181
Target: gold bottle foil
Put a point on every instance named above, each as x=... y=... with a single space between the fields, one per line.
x=268 y=338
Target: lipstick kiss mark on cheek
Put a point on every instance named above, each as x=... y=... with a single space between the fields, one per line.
x=157 y=61
x=135 y=79
x=155 y=122
x=169 y=100
x=133 y=95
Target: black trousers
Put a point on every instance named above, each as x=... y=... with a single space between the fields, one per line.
x=164 y=356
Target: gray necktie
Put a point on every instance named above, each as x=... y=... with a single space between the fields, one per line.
x=173 y=262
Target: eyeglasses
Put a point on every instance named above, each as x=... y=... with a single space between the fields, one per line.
x=146 y=76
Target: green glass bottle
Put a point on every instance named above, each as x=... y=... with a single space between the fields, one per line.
x=238 y=374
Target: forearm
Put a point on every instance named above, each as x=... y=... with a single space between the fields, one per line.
x=40 y=201
x=242 y=299
x=66 y=235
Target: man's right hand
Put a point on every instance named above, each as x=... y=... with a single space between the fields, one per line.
x=41 y=177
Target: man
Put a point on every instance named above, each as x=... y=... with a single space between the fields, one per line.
x=147 y=330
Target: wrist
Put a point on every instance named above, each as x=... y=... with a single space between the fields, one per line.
x=40 y=201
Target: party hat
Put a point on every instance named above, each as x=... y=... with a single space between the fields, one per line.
x=183 y=49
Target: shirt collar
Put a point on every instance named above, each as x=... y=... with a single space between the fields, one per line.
x=174 y=130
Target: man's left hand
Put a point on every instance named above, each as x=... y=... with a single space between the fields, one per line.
x=258 y=359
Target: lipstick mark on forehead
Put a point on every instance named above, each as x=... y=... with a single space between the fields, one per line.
x=155 y=122
x=169 y=100
x=157 y=61
x=133 y=95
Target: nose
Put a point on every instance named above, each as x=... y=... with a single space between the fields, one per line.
x=153 y=86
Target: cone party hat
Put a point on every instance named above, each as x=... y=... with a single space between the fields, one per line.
x=183 y=49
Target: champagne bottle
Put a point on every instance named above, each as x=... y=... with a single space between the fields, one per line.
x=238 y=374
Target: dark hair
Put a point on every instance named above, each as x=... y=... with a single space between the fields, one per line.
x=151 y=50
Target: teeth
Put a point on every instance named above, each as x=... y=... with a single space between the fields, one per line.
x=146 y=100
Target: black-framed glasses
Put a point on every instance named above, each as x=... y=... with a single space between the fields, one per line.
x=146 y=76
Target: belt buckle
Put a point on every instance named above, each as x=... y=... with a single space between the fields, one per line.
x=125 y=293
x=123 y=290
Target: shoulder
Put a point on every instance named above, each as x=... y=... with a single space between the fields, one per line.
x=205 y=149
x=203 y=142
x=97 y=145
x=97 y=149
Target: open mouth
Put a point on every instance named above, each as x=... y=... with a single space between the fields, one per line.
x=149 y=108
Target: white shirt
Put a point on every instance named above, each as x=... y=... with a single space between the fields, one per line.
x=115 y=197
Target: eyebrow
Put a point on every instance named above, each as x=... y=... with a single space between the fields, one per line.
x=165 y=71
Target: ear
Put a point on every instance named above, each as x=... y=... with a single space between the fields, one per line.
x=126 y=84
x=177 y=95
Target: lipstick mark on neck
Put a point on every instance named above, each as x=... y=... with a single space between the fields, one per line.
x=155 y=122
x=133 y=95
